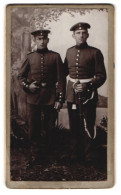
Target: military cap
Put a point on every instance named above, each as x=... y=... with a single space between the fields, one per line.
x=41 y=32
x=80 y=26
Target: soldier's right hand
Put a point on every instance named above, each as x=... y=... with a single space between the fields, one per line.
x=80 y=87
x=33 y=87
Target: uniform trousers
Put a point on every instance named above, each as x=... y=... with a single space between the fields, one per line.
x=81 y=143
x=41 y=121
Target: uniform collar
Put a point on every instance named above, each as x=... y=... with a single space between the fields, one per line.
x=82 y=46
x=42 y=50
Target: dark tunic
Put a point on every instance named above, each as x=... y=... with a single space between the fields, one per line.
x=44 y=67
x=84 y=62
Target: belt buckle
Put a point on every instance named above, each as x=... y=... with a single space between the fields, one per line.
x=43 y=84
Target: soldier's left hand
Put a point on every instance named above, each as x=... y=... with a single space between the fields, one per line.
x=81 y=87
x=58 y=105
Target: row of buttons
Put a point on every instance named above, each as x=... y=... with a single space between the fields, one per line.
x=77 y=64
x=42 y=66
x=60 y=96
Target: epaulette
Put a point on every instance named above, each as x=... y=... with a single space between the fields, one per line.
x=53 y=51
x=71 y=47
x=30 y=52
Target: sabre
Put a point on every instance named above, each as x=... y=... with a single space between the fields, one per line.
x=57 y=118
x=81 y=101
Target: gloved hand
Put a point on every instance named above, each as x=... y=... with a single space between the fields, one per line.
x=80 y=87
x=33 y=87
x=58 y=105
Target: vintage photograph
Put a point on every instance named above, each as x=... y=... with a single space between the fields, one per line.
x=59 y=100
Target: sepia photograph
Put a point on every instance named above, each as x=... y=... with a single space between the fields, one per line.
x=59 y=96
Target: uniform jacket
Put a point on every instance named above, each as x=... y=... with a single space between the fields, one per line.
x=84 y=62
x=44 y=66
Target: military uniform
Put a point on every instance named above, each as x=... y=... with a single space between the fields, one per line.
x=84 y=64
x=45 y=68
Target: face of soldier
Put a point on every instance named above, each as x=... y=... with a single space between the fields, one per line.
x=80 y=36
x=41 y=42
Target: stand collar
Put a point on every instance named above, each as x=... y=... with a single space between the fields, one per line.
x=82 y=46
x=42 y=50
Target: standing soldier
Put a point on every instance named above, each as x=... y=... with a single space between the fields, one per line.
x=42 y=77
x=85 y=66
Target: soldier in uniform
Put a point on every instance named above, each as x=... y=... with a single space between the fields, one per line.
x=42 y=78
x=85 y=68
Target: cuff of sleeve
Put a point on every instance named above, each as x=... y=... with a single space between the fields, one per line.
x=90 y=86
x=25 y=86
x=60 y=97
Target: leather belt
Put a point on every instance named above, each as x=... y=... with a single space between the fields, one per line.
x=43 y=84
x=81 y=80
